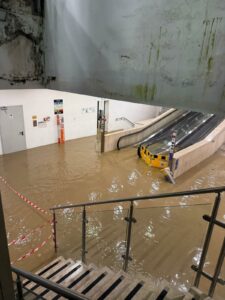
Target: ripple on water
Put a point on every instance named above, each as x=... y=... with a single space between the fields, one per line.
x=149 y=233
x=133 y=177
x=94 y=227
x=94 y=196
x=115 y=186
x=155 y=186
x=118 y=213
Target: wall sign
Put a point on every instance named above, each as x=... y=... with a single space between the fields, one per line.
x=34 y=118
x=58 y=106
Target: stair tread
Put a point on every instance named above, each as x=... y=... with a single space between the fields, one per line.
x=48 y=273
x=99 y=292
x=94 y=277
x=69 y=280
x=174 y=294
x=129 y=289
x=119 y=289
x=100 y=285
x=146 y=291
x=56 y=277
x=52 y=263
x=159 y=287
x=83 y=282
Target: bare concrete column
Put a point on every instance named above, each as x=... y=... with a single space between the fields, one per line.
x=6 y=282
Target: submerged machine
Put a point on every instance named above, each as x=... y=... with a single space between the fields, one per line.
x=190 y=127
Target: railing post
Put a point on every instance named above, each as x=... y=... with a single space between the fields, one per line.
x=19 y=288
x=130 y=220
x=54 y=230
x=84 y=222
x=207 y=239
x=217 y=270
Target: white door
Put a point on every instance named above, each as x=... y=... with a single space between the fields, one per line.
x=12 y=129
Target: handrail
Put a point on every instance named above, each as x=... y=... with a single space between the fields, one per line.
x=125 y=119
x=50 y=285
x=147 y=197
x=130 y=219
x=140 y=131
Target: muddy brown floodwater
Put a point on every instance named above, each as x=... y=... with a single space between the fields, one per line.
x=166 y=239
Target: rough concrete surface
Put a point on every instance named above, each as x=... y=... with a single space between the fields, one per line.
x=21 y=44
x=158 y=52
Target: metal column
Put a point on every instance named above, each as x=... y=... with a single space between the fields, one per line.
x=84 y=222
x=130 y=220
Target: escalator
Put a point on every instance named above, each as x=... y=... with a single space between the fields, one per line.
x=190 y=128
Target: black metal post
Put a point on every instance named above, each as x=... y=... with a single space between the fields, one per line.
x=19 y=288
x=207 y=239
x=217 y=270
x=130 y=220
x=84 y=222
x=54 y=230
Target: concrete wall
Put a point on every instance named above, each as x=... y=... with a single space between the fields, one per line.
x=132 y=111
x=80 y=114
x=160 y=52
x=189 y=157
x=142 y=129
x=78 y=122
x=21 y=45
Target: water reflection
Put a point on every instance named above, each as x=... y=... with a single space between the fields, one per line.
x=149 y=233
x=197 y=256
x=116 y=186
x=94 y=227
x=166 y=213
x=94 y=196
x=133 y=177
x=155 y=186
x=118 y=213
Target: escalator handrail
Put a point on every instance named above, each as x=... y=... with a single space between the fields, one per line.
x=141 y=130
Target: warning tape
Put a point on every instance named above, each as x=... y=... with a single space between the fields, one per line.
x=32 y=251
x=25 y=199
x=24 y=237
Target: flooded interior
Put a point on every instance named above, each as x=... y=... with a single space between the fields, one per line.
x=166 y=239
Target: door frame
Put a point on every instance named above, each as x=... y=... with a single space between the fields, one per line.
x=24 y=131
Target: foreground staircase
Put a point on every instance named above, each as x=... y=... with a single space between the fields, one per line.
x=102 y=283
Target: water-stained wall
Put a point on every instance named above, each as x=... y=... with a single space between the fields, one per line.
x=21 y=44
x=161 y=52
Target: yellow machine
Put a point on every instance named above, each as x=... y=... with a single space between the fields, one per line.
x=154 y=160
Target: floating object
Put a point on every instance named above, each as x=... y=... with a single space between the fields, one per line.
x=154 y=160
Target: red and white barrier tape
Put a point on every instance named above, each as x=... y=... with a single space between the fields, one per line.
x=32 y=251
x=25 y=199
x=24 y=237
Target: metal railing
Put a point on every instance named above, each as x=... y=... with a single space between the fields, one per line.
x=130 y=220
x=148 y=130
x=50 y=285
x=125 y=119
